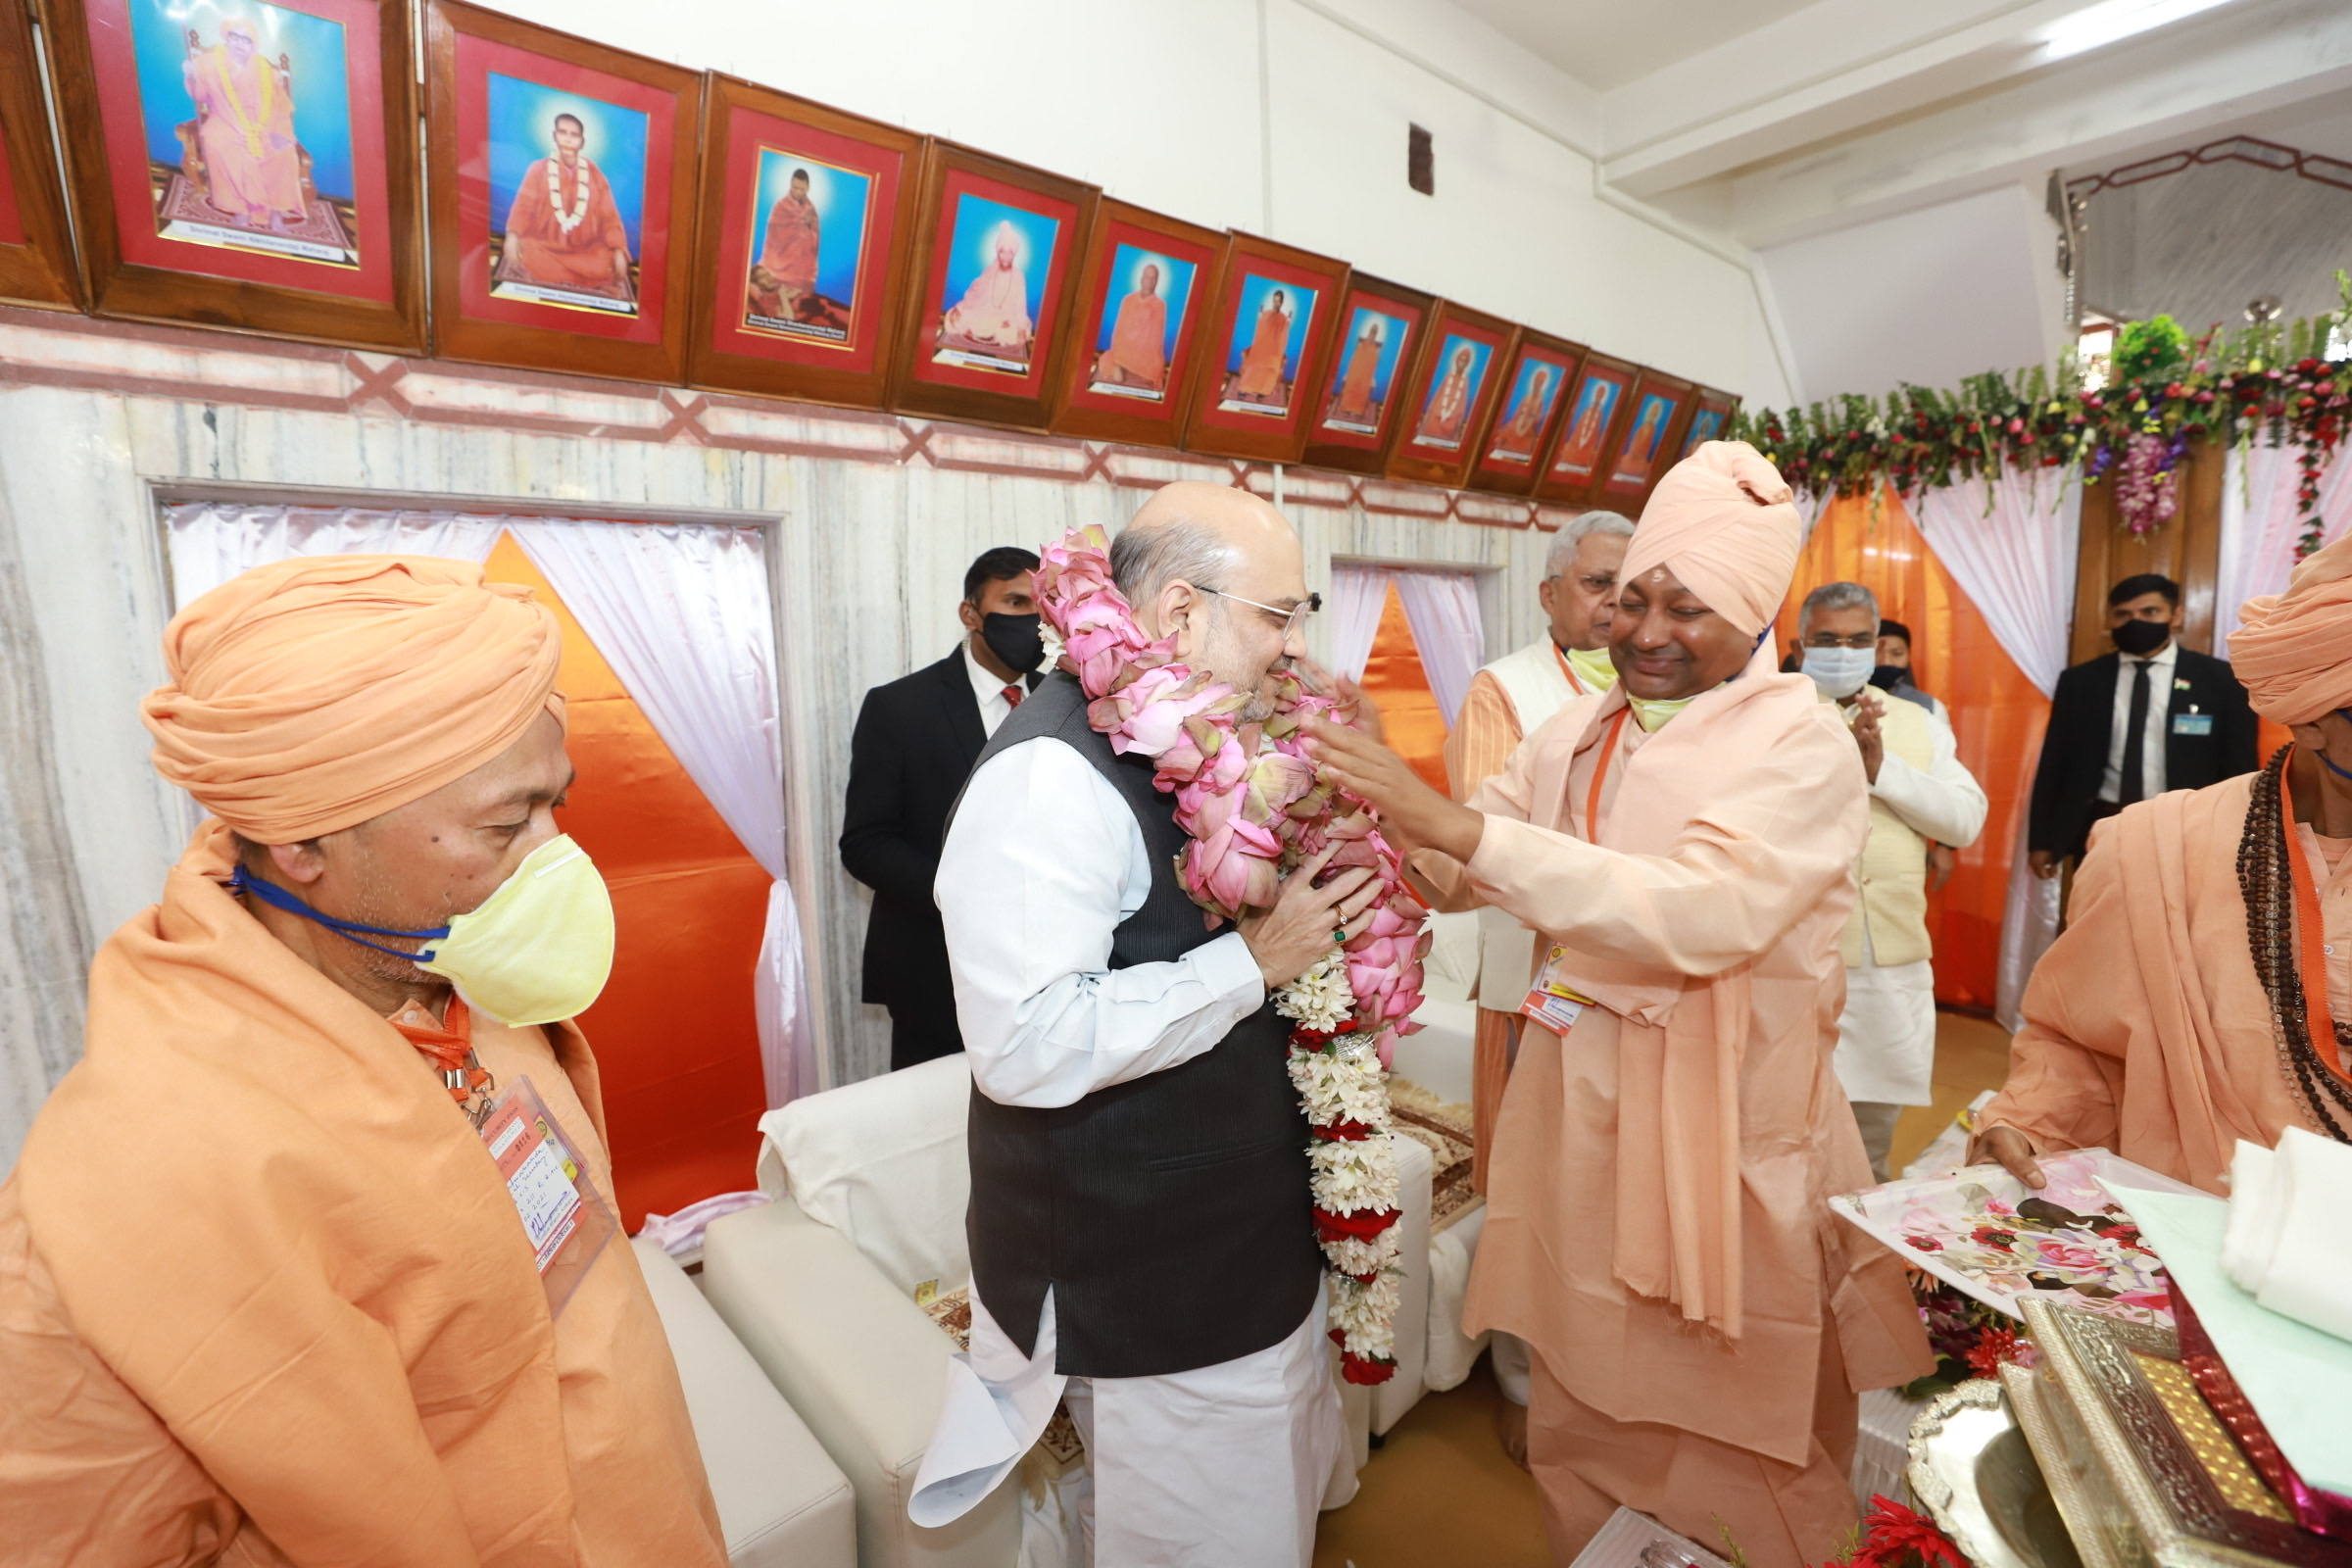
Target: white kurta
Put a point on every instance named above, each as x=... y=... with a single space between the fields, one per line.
x=1222 y=1465
x=1887 y=1032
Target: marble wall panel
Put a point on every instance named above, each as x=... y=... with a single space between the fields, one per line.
x=868 y=571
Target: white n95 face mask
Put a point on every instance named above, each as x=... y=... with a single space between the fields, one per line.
x=537 y=950
x=1840 y=671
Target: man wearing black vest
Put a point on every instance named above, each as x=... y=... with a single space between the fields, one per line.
x=2152 y=716
x=916 y=743
x=1141 y=1238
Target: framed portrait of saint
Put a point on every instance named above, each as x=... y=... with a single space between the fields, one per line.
x=806 y=214
x=37 y=253
x=1267 y=353
x=1710 y=418
x=1526 y=410
x=1652 y=439
x=1379 y=327
x=1145 y=284
x=988 y=289
x=245 y=163
x=563 y=183
x=1451 y=395
x=1593 y=417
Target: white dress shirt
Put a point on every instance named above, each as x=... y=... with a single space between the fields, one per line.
x=1042 y=862
x=988 y=691
x=2160 y=703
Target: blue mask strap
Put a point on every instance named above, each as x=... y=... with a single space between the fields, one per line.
x=2331 y=766
x=278 y=897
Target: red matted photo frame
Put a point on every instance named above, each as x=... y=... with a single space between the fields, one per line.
x=1373 y=351
x=36 y=248
x=1527 y=410
x=1145 y=286
x=1652 y=434
x=250 y=163
x=806 y=214
x=1710 y=421
x=1594 y=418
x=988 y=289
x=563 y=183
x=1267 y=352
x=1451 y=395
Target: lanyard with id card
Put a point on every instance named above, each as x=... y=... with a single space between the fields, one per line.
x=1551 y=1001
x=565 y=1218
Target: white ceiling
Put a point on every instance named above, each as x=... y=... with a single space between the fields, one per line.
x=1606 y=43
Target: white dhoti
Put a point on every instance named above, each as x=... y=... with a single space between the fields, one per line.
x=1886 y=1034
x=1221 y=1467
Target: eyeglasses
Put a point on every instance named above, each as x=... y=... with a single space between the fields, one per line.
x=1860 y=639
x=1290 y=617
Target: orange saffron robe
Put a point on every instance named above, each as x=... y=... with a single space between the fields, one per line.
x=1658 y=1223
x=264 y=1299
x=540 y=249
x=1260 y=375
x=1448 y=407
x=2146 y=1031
x=794 y=232
x=1137 y=340
x=1356 y=386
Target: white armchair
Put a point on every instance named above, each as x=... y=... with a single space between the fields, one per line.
x=782 y=1502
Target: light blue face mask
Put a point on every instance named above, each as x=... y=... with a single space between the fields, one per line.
x=1840 y=671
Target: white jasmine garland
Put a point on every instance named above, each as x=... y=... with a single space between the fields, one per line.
x=1319 y=1000
x=1356 y=1174
x=1365 y=1316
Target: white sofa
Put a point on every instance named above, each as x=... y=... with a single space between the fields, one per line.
x=782 y=1501
x=870 y=1184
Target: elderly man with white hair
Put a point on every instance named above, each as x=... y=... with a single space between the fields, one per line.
x=1508 y=700
x=1920 y=795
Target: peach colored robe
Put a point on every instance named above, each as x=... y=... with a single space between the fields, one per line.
x=2146 y=1031
x=1657 y=1227
x=264 y=1299
x=795 y=234
x=1138 y=341
x=248 y=183
x=995 y=309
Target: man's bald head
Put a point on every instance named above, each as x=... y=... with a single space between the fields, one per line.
x=1220 y=570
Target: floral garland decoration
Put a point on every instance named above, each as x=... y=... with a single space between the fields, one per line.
x=2281 y=382
x=1252 y=804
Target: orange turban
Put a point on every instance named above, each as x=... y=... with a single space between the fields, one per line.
x=1722 y=522
x=313 y=694
x=2293 y=651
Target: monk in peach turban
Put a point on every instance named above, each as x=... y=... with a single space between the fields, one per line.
x=2203 y=984
x=1657 y=1228
x=265 y=1293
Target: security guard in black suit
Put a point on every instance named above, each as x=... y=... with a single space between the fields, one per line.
x=916 y=741
x=2149 y=717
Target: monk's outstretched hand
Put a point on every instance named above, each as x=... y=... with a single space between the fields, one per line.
x=1410 y=811
x=2012 y=1151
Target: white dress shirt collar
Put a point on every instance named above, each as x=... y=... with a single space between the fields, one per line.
x=988 y=691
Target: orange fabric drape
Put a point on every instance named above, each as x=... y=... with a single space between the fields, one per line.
x=674 y=1033
x=1996 y=712
x=1408 y=710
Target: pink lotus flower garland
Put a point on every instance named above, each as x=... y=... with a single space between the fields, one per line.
x=1251 y=802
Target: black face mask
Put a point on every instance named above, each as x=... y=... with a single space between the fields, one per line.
x=1886 y=678
x=1018 y=640
x=2141 y=638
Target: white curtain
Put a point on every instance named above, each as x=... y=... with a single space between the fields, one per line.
x=2261 y=524
x=1357 y=594
x=1442 y=608
x=1810 y=505
x=2010 y=543
x=680 y=611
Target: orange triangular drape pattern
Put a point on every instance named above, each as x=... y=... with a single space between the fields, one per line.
x=1409 y=715
x=675 y=1038
x=1997 y=714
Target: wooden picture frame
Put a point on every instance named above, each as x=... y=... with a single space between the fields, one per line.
x=1361 y=404
x=1594 y=417
x=806 y=217
x=1131 y=367
x=284 y=202
x=1267 y=352
x=1453 y=396
x=1640 y=454
x=1527 y=410
x=1710 y=419
x=36 y=248
x=526 y=269
x=972 y=344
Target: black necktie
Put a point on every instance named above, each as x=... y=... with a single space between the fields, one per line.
x=2136 y=738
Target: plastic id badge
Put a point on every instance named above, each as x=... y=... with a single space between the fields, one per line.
x=1551 y=1001
x=565 y=1218
x=2192 y=723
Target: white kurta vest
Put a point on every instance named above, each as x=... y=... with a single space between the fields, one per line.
x=1538 y=687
